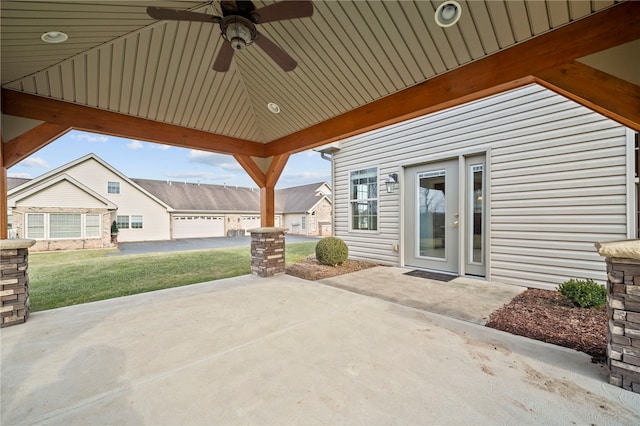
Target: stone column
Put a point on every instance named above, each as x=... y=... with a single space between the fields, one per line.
x=623 y=309
x=14 y=281
x=267 y=251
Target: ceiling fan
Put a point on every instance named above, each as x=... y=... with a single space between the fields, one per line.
x=238 y=27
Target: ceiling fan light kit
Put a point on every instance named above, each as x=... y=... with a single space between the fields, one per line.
x=238 y=27
x=238 y=31
x=448 y=13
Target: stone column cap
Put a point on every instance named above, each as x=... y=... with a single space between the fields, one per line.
x=267 y=230
x=623 y=249
x=17 y=243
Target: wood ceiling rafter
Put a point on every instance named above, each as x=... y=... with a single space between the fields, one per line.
x=22 y=146
x=511 y=68
x=82 y=117
x=610 y=96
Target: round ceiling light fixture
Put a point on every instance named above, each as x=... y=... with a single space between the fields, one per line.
x=448 y=13
x=54 y=37
x=274 y=108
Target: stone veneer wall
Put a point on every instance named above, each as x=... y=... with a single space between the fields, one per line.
x=623 y=308
x=267 y=251
x=14 y=281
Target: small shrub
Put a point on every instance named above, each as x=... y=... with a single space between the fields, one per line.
x=331 y=251
x=583 y=293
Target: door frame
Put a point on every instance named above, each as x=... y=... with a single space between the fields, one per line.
x=462 y=157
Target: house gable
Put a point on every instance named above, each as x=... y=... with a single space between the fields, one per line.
x=61 y=191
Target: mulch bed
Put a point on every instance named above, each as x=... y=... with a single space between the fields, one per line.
x=310 y=269
x=544 y=315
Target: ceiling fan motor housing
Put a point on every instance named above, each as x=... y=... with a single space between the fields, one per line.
x=238 y=31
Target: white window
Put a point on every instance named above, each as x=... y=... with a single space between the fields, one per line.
x=35 y=225
x=363 y=199
x=123 y=222
x=303 y=223
x=113 y=187
x=136 y=222
x=65 y=225
x=92 y=226
x=56 y=226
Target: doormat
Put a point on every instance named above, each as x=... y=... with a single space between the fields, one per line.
x=431 y=275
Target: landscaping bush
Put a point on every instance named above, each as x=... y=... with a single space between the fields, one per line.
x=331 y=251
x=584 y=293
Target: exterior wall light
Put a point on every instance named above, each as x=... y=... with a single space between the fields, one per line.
x=392 y=182
x=448 y=13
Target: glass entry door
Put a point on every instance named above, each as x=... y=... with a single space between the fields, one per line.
x=444 y=216
x=431 y=216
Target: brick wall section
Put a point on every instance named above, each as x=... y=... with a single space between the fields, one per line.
x=267 y=251
x=14 y=282
x=623 y=337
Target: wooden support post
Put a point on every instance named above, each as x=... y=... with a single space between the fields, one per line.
x=4 y=204
x=267 y=206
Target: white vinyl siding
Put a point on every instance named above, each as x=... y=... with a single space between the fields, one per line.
x=556 y=182
x=63 y=194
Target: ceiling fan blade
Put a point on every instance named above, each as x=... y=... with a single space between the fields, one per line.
x=285 y=10
x=279 y=56
x=223 y=60
x=180 y=15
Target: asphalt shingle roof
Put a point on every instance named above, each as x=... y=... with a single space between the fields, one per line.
x=201 y=197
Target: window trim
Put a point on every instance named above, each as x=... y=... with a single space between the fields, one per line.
x=46 y=227
x=350 y=202
x=109 y=186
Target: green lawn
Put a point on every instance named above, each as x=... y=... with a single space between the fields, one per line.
x=69 y=278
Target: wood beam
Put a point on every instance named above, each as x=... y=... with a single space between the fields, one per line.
x=252 y=169
x=20 y=147
x=276 y=167
x=610 y=96
x=106 y=122
x=505 y=70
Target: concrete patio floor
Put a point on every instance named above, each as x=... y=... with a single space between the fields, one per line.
x=282 y=351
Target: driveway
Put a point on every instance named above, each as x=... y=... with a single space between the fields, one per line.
x=284 y=351
x=196 y=244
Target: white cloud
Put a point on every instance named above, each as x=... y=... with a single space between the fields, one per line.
x=225 y=162
x=19 y=175
x=134 y=144
x=160 y=146
x=88 y=137
x=34 y=162
x=302 y=178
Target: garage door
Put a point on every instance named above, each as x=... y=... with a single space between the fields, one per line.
x=198 y=226
x=250 y=222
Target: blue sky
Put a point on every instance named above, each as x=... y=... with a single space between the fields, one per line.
x=138 y=159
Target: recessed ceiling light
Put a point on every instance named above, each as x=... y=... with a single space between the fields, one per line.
x=54 y=37
x=274 y=108
x=448 y=13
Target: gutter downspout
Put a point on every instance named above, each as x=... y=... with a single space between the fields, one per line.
x=329 y=157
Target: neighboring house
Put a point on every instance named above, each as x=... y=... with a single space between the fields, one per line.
x=306 y=209
x=72 y=207
x=514 y=188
